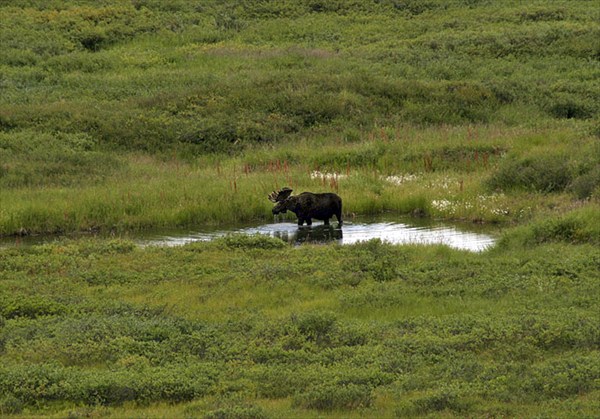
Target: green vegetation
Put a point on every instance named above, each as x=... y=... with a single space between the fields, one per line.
x=251 y=327
x=119 y=116
x=125 y=115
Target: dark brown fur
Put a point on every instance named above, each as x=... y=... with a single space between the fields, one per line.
x=308 y=205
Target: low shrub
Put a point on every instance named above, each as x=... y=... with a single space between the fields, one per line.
x=32 y=383
x=106 y=247
x=570 y=229
x=576 y=227
x=336 y=397
x=236 y=412
x=30 y=158
x=10 y=405
x=436 y=401
x=276 y=382
x=587 y=184
x=563 y=378
x=377 y=260
x=30 y=307
x=571 y=109
x=433 y=402
x=47 y=382
x=315 y=326
x=256 y=241
x=545 y=174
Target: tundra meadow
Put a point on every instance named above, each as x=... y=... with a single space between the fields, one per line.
x=120 y=116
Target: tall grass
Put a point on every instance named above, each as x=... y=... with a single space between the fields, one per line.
x=60 y=183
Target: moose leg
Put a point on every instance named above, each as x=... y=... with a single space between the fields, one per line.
x=300 y=221
x=338 y=215
x=308 y=221
x=326 y=221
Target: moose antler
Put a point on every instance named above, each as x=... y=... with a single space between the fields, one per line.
x=282 y=195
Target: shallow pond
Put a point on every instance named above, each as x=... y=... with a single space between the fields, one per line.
x=388 y=228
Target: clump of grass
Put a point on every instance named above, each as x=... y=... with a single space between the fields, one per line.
x=444 y=399
x=336 y=397
x=32 y=158
x=237 y=412
x=577 y=227
x=258 y=241
x=10 y=405
x=541 y=171
x=587 y=184
x=543 y=174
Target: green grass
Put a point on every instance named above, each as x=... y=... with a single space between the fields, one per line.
x=125 y=116
x=96 y=96
x=254 y=325
x=475 y=173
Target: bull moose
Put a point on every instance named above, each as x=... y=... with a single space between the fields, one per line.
x=308 y=205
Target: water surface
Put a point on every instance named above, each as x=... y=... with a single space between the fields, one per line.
x=386 y=228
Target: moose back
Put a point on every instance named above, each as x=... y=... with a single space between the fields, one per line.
x=308 y=205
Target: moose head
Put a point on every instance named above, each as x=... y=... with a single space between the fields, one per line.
x=307 y=205
x=282 y=200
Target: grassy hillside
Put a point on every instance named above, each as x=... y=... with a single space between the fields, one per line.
x=128 y=115
x=215 y=77
x=118 y=112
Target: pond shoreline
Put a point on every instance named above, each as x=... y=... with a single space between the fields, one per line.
x=386 y=227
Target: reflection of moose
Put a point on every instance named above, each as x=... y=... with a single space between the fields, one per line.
x=318 y=234
x=308 y=205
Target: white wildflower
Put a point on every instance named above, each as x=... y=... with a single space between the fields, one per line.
x=399 y=179
x=326 y=176
x=441 y=205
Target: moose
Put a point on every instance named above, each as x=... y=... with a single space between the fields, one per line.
x=307 y=205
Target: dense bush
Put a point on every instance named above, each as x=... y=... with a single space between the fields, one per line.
x=335 y=397
x=256 y=241
x=30 y=307
x=586 y=184
x=544 y=173
x=51 y=382
x=80 y=28
x=237 y=412
x=579 y=226
x=440 y=400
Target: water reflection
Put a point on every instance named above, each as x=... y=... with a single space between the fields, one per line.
x=313 y=234
x=387 y=231
x=395 y=232
x=385 y=228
